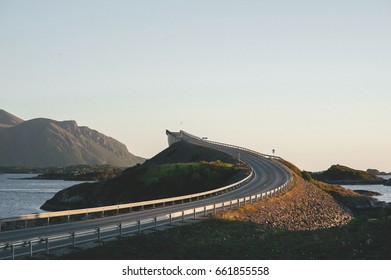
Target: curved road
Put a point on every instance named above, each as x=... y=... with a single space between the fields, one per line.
x=267 y=176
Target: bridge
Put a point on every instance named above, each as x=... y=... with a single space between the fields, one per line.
x=268 y=177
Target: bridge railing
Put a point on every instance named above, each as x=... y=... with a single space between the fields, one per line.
x=217 y=146
x=45 y=244
x=67 y=214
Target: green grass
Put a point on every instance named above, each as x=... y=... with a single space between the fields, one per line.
x=220 y=239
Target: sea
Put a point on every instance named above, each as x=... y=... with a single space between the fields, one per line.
x=19 y=196
x=385 y=191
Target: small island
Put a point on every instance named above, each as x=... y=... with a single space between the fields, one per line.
x=81 y=173
x=343 y=175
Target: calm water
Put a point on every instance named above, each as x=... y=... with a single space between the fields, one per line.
x=384 y=190
x=19 y=196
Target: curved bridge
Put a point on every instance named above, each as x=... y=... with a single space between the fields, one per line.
x=268 y=177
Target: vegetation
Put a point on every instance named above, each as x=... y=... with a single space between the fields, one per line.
x=219 y=239
x=148 y=183
x=339 y=174
x=82 y=173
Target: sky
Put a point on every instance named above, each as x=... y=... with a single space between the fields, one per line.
x=310 y=79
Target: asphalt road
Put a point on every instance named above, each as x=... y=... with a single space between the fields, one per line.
x=267 y=176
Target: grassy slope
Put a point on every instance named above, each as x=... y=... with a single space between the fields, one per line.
x=178 y=170
x=220 y=239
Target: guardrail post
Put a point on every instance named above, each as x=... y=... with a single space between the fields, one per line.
x=98 y=231
x=244 y=201
x=170 y=219
x=47 y=246
x=204 y=211
x=214 y=208
x=117 y=210
x=25 y=223
x=139 y=226
x=230 y=204
x=238 y=202
x=12 y=251
x=155 y=220
x=68 y=218
x=103 y=213
x=73 y=236
x=31 y=249
x=48 y=221
x=222 y=207
x=120 y=229
x=194 y=211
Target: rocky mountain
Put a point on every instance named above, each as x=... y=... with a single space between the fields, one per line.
x=45 y=142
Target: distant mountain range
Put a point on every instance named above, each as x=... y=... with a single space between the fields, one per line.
x=44 y=142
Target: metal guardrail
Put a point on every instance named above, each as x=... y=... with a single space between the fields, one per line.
x=98 y=234
x=130 y=206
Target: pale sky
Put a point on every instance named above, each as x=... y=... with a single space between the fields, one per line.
x=310 y=79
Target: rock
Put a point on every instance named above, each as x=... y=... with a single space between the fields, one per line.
x=367 y=193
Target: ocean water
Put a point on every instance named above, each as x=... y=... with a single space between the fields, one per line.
x=384 y=190
x=18 y=196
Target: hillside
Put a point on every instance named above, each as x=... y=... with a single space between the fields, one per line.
x=8 y=120
x=181 y=169
x=45 y=142
x=339 y=174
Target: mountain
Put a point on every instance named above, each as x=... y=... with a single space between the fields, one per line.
x=45 y=142
x=339 y=174
x=8 y=120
